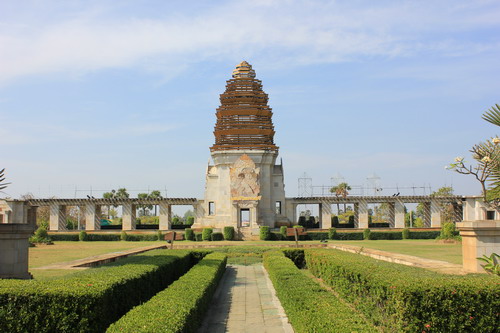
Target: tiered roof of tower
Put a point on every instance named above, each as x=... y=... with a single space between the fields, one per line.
x=244 y=118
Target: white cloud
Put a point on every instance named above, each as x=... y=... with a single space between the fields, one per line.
x=283 y=32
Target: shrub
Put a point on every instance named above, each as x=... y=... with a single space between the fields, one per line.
x=228 y=233
x=176 y=220
x=406 y=233
x=198 y=236
x=424 y=234
x=264 y=232
x=159 y=235
x=180 y=307
x=190 y=220
x=207 y=234
x=349 y=235
x=351 y=220
x=332 y=233
x=366 y=234
x=448 y=231
x=57 y=237
x=283 y=231
x=315 y=236
x=217 y=236
x=388 y=235
x=335 y=221
x=189 y=234
x=378 y=225
x=41 y=236
x=83 y=236
x=310 y=308
x=90 y=300
x=124 y=236
x=406 y=299
x=103 y=237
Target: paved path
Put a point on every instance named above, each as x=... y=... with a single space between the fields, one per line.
x=245 y=301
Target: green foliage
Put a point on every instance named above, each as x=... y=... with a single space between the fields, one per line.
x=264 y=233
x=406 y=233
x=189 y=234
x=228 y=233
x=56 y=237
x=41 y=236
x=332 y=233
x=401 y=298
x=89 y=300
x=492 y=263
x=283 y=231
x=386 y=235
x=217 y=236
x=190 y=220
x=83 y=236
x=198 y=236
x=206 y=234
x=124 y=236
x=176 y=220
x=310 y=308
x=448 y=231
x=180 y=307
x=366 y=234
x=159 y=235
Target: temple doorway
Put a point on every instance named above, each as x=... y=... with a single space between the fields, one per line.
x=245 y=217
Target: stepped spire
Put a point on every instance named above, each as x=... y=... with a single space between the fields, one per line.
x=244 y=118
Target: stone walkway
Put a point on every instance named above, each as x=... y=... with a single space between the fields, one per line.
x=245 y=301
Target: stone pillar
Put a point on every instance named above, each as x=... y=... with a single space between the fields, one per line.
x=128 y=216
x=435 y=214
x=325 y=220
x=399 y=214
x=165 y=216
x=92 y=217
x=478 y=238
x=392 y=215
x=427 y=214
x=57 y=220
x=362 y=212
x=14 y=249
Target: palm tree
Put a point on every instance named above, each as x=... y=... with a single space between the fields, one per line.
x=109 y=195
x=155 y=195
x=341 y=190
x=3 y=184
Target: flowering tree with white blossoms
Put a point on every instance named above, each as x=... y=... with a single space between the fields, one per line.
x=487 y=170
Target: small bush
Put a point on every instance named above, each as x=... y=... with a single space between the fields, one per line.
x=190 y=220
x=83 y=236
x=386 y=235
x=366 y=234
x=332 y=233
x=57 y=237
x=207 y=234
x=198 y=236
x=217 y=236
x=283 y=231
x=228 y=233
x=41 y=236
x=189 y=234
x=264 y=233
x=159 y=235
x=406 y=233
x=448 y=231
x=315 y=236
x=349 y=235
x=124 y=236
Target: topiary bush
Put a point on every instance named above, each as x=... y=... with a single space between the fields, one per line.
x=83 y=236
x=405 y=233
x=189 y=234
x=265 y=233
x=228 y=233
x=366 y=234
x=283 y=231
x=332 y=233
x=217 y=236
x=124 y=236
x=207 y=234
x=198 y=236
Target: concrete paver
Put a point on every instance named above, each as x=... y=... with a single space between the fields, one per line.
x=245 y=301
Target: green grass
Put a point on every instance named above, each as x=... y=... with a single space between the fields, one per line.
x=424 y=248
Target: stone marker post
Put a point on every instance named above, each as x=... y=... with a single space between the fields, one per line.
x=478 y=238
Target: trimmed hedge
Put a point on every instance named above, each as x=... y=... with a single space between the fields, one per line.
x=408 y=299
x=217 y=236
x=378 y=225
x=388 y=235
x=198 y=236
x=265 y=233
x=90 y=300
x=180 y=307
x=228 y=233
x=310 y=308
x=64 y=237
x=206 y=234
x=189 y=234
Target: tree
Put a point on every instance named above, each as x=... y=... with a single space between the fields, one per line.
x=446 y=208
x=487 y=169
x=143 y=206
x=3 y=184
x=156 y=194
x=341 y=190
x=109 y=195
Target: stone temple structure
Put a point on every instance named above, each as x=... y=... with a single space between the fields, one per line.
x=244 y=187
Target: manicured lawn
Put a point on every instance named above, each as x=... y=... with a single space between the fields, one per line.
x=66 y=251
x=425 y=248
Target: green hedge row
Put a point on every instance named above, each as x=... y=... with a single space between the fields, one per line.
x=180 y=307
x=358 y=235
x=90 y=300
x=310 y=308
x=407 y=299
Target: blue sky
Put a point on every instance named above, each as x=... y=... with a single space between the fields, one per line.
x=108 y=94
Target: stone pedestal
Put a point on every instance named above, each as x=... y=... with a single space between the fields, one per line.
x=478 y=238
x=14 y=250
